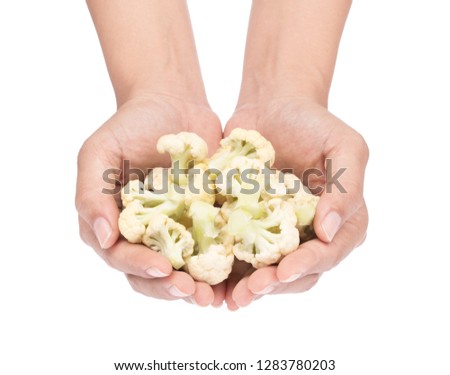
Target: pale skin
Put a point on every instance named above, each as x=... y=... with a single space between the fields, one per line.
x=289 y=61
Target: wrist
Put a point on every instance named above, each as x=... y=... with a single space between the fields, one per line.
x=163 y=84
x=260 y=88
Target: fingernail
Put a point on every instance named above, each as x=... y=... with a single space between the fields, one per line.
x=155 y=272
x=292 y=278
x=268 y=289
x=175 y=292
x=102 y=231
x=331 y=225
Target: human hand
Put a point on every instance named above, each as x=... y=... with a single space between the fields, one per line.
x=131 y=134
x=150 y=53
x=304 y=135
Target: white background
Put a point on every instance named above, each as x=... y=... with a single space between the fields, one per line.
x=384 y=310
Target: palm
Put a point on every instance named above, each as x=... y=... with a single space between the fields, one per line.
x=132 y=133
x=302 y=133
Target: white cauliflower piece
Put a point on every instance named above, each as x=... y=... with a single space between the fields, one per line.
x=142 y=205
x=226 y=210
x=133 y=221
x=197 y=188
x=267 y=239
x=213 y=258
x=243 y=181
x=169 y=200
x=304 y=204
x=274 y=185
x=157 y=179
x=213 y=266
x=169 y=238
x=186 y=150
x=241 y=142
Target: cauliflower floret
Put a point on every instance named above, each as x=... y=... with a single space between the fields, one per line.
x=241 y=142
x=186 y=150
x=274 y=185
x=133 y=221
x=242 y=172
x=265 y=240
x=142 y=205
x=305 y=208
x=243 y=181
x=213 y=266
x=304 y=204
x=170 y=238
x=223 y=199
x=157 y=179
x=294 y=185
x=130 y=191
x=197 y=188
x=226 y=210
x=170 y=200
x=213 y=258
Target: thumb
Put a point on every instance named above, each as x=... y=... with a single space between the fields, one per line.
x=343 y=192
x=95 y=193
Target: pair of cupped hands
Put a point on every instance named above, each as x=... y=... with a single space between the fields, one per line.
x=304 y=135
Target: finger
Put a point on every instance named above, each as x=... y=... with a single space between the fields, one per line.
x=343 y=194
x=232 y=280
x=316 y=256
x=219 y=294
x=203 y=295
x=300 y=285
x=241 y=119
x=240 y=270
x=176 y=286
x=210 y=129
x=241 y=294
x=95 y=200
x=263 y=281
x=132 y=259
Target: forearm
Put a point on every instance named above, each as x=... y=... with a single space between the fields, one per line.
x=148 y=46
x=291 y=48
